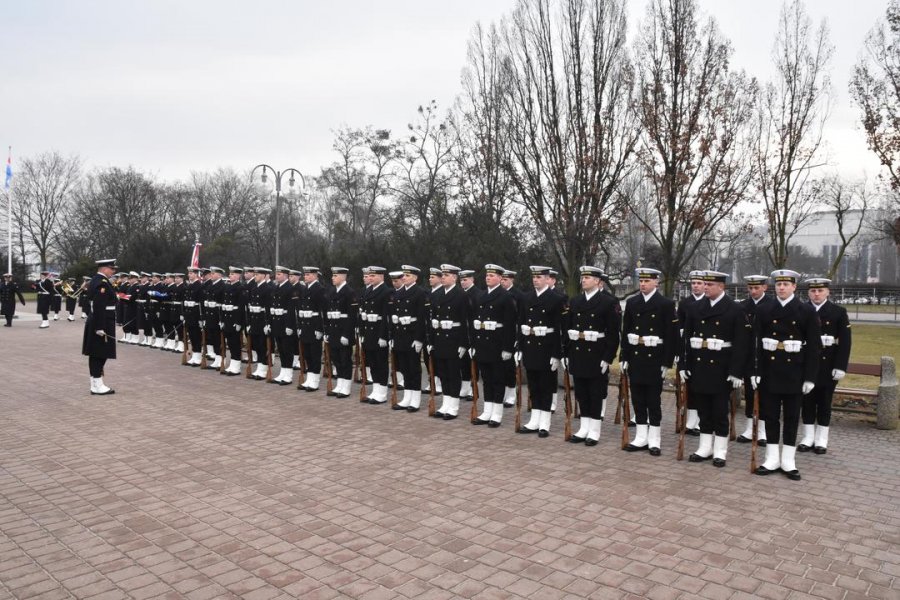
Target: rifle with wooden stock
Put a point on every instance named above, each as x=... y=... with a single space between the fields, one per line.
x=567 y=395
x=268 y=358
x=518 y=424
x=361 y=364
x=224 y=351
x=203 y=361
x=624 y=393
x=682 y=402
x=184 y=355
x=618 y=418
x=431 y=407
x=473 y=415
x=393 y=357
x=302 y=378
x=328 y=388
x=680 y=411
x=249 y=373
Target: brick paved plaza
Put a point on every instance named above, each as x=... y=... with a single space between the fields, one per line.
x=190 y=484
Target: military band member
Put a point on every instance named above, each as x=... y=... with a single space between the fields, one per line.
x=591 y=343
x=312 y=306
x=71 y=299
x=649 y=342
x=56 y=296
x=373 y=332
x=493 y=342
x=698 y=293
x=232 y=313
x=9 y=290
x=82 y=299
x=282 y=323
x=449 y=338
x=44 y=289
x=99 y=340
x=835 y=357
x=340 y=326
x=467 y=284
x=509 y=378
x=409 y=323
x=436 y=289
x=716 y=331
x=258 y=298
x=756 y=299
x=789 y=347
x=540 y=319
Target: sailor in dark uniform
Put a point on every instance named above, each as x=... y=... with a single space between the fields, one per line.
x=509 y=377
x=789 y=347
x=212 y=300
x=82 y=299
x=258 y=298
x=311 y=313
x=409 y=323
x=493 y=342
x=373 y=332
x=44 y=289
x=232 y=312
x=99 y=340
x=56 y=297
x=649 y=342
x=836 y=341
x=127 y=299
x=340 y=326
x=449 y=338
x=713 y=362
x=192 y=311
x=436 y=288
x=697 y=294
x=283 y=323
x=756 y=299
x=541 y=316
x=295 y=278
x=397 y=279
x=9 y=290
x=591 y=343
x=467 y=284
x=71 y=299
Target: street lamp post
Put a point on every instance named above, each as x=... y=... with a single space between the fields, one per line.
x=278 y=178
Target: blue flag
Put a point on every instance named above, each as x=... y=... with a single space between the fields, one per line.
x=8 y=170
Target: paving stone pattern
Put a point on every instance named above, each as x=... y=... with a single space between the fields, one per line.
x=188 y=484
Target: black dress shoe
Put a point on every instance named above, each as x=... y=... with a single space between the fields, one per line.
x=231 y=374
x=543 y=433
x=719 y=462
x=820 y=450
x=449 y=417
x=524 y=429
x=285 y=383
x=480 y=421
x=803 y=448
x=437 y=415
x=631 y=423
x=761 y=443
x=412 y=409
x=693 y=432
x=369 y=399
x=466 y=398
x=493 y=424
x=398 y=407
x=373 y=401
x=508 y=404
x=342 y=395
x=633 y=448
x=761 y=470
x=331 y=393
x=792 y=475
x=655 y=451
x=577 y=440
x=743 y=440
x=697 y=458
x=107 y=393
x=590 y=442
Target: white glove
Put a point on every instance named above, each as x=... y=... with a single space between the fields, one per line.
x=417 y=346
x=625 y=366
x=554 y=364
x=735 y=381
x=325 y=339
x=754 y=381
x=288 y=331
x=518 y=358
x=837 y=374
x=382 y=343
x=237 y=327
x=181 y=317
x=808 y=387
x=471 y=352
x=319 y=335
x=362 y=338
x=101 y=333
x=685 y=374
x=604 y=367
x=565 y=363
x=221 y=324
x=462 y=351
x=267 y=329
x=505 y=355
x=391 y=343
x=248 y=330
x=203 y=323
x=344 y=341
x=430 y=348
x=663 y=371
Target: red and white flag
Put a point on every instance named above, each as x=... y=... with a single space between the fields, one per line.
x=195 y=255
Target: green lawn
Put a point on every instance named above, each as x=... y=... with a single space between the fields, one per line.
x=870 y=343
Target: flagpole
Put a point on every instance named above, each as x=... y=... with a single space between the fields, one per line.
x=9 y=194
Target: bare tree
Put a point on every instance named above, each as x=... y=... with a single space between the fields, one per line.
x=848 y=202
x=792 y=114
x=43 y=188
x=220 y=204
x=697 y=130
x=571 y=121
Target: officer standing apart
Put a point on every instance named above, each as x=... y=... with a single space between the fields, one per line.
x=592 y=340
x=832 y=367
x=789 y=348
x=715 y=355
x=649 y=340
x=9 y=289
x=99 y=340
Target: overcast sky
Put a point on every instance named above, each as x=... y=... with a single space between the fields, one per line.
x=172 y=86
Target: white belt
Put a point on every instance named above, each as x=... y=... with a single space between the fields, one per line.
x=708 y=343
x=277 y=312
x=43 y=293
x=255 y=309
x=110 y=308
x=336 y=314
x=371 y=317
x=789 y=346
x=364 y=315
x=588 y=336
x=229 y=307
x=487 y=325
x=141 y=301
x=188 y=303
x=537 y=330
x=306 y=314
x=445 y=324
x=210 y=304
x=404 y=320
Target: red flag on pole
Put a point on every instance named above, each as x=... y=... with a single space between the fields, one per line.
x=195 y=255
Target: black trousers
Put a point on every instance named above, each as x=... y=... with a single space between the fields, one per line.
x=817 y=405
x=493 y=379
x=95 y=366
x=43 y=305
x=342 y=360
x=159 y=328
x=196 y=337
x=377 y=361
x=590 y=393
x=465 y=368
x=312 y=356
x=233 y=342
x=646 y=401
x=71 y=303
x=448 y=370
x=56 y=302
x=258 y=345
x=287 y=346
x=173 y=330
x=509 y=373
x=748 y=399
x=771 y=407
x=214 y=338
x=714 y=410
x=410 y=366
x=541 y=385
